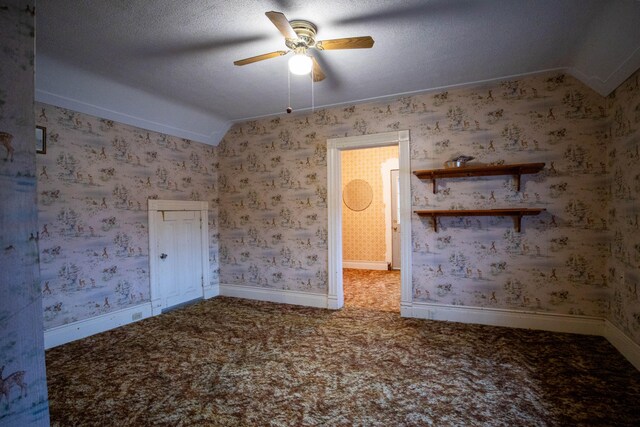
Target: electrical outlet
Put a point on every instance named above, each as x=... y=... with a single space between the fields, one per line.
x=136 y=316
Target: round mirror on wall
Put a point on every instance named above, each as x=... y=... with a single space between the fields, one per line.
x=357 y=195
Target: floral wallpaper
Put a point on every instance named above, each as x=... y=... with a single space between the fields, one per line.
x=623 y=158
x=93 y=186
x=273 y=203
x=363 y=232
x=23 y=389
x=558 y=262
x=273 y=212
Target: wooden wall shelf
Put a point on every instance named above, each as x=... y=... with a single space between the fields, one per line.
x=516 y=170
x=517 y=214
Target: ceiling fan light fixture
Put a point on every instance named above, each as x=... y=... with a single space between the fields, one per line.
x=299 y=37
x=300 y=64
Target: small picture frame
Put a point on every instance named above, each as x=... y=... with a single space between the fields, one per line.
x=41 y=140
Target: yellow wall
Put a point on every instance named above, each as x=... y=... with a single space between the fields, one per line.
x=363 y=232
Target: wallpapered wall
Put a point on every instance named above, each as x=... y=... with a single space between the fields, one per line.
x=623 y=156
x=363 y=232
x=273 y=212
x=558 y=262
x=93 y=187
x=23 y=400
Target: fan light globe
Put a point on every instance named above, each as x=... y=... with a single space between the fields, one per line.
x=300 y=64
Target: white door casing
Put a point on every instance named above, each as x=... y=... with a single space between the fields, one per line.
x=178 y=229
x=396 y=223
x=385 y=170
x=335 y=295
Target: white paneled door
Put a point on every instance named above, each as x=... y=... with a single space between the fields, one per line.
x=179 y=264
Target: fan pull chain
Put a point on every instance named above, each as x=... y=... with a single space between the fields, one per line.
x=289 y=109
x=313 y=107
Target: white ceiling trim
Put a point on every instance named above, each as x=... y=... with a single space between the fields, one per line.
x=603 y=87
x=85 y=92
x=104 y=113
x=607 y=85
x=393 y=96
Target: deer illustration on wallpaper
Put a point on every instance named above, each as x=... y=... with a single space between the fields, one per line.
x=5 y=140
x=6 y=384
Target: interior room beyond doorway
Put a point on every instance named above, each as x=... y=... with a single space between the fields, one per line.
x=369 y=228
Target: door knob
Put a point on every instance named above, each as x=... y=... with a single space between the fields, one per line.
x=163 y=256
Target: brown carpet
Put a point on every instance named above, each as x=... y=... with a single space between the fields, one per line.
x=371 y=289
x=233 y=362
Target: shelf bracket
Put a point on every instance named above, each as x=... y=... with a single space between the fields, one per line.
x=435 y=186
x=518 y=177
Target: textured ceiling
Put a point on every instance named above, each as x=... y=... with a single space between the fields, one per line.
x=167 y=65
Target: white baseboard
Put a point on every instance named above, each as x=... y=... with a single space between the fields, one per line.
x=529 y=320
x=211 y=291
x=334 y=303
x=485 y=316
x=274 y=295
x=625 y=345
x=510 y=318
x=366 y=265
x=74 y=331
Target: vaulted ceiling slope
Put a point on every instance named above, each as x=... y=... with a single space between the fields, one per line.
x=167 y=65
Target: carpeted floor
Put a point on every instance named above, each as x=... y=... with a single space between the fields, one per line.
x=234 y=362
x=372 y=289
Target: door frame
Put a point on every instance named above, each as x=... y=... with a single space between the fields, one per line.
x=156 y=206
x=385 y=172
x=335 y=293
x=389 y=226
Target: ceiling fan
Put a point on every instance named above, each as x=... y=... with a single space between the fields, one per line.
x=300 y=35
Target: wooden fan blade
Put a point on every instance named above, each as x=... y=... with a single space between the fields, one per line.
x=318 y=74
x=260 y=57
x=282 y=24
x=346 y=43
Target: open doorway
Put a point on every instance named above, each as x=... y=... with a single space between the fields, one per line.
x=368 y=223
x=335 y=198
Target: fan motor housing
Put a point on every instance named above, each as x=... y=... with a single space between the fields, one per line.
x=306 y=32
